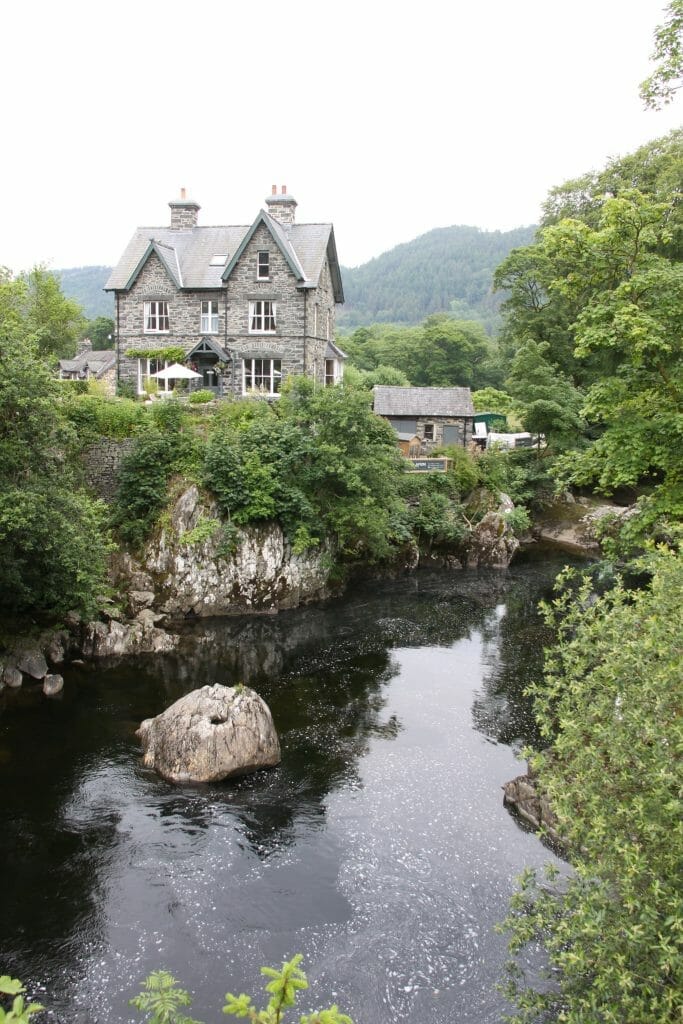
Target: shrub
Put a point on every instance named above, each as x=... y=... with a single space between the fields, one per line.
x=161 y=1000
x=201 y=397
x=610 y=706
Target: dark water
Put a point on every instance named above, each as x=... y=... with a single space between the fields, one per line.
x=379 y=848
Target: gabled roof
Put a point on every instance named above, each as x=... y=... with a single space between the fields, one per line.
x=280 y=239
x=392 y=401
x=96 y=362
x=169 y=260
x=205 y=343
x=186 y=255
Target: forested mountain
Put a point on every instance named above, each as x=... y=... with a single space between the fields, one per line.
x=446 y=270
x=85 y=284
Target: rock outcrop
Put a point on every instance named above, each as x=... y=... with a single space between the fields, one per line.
x=575 y=526
x=213 y=733
x=493 y=542
x=190 y=570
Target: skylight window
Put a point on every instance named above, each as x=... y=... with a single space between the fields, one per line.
x=219 y=259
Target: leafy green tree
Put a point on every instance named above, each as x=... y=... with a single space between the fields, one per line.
x=100 y=331
x=55 y=321
x=610 y=706
x=660 y=88
x=492 y=400
x=536 y=308
x=549 y=403
x=632 y=310
x=53 y=544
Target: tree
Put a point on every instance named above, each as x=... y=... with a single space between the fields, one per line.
x=659 y=89
x=53 y=320
x=632 y=311
x=610 y=705
x=100 y=331
x=549 y=403
x=53 y=544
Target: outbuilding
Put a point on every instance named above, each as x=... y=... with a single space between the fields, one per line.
x=437 y=416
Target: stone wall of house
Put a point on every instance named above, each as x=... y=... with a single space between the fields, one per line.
x=184 y=315
x=300 y=338
x=287 y=344
x=320 y=323
x=102 y=461
x=463 y=424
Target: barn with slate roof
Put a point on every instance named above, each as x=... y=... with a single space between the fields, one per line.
x=438 y=416
x=246 y=305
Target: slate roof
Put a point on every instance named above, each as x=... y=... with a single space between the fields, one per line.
x=97 y=362
x=391 y=401
x=187 y=254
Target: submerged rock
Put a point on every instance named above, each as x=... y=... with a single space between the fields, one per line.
x=523 y=797
x=52 y=685
x=213 y=733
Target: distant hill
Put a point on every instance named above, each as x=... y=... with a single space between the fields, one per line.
x=85 y=284
x=446 y=270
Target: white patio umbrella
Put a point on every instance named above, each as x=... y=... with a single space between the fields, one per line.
x=175 y=372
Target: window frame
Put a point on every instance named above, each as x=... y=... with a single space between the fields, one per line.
x=152 y=312
x=151 y=365
x=251 y=371
x=263 y=264
x=429 y=431
x=261 y=313
x=208 y=319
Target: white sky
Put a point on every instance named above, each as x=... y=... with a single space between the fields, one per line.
x=386 y=118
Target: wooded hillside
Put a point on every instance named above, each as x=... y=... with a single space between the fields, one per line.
x=448 y=270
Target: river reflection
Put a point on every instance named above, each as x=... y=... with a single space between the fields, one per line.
x=379 y=847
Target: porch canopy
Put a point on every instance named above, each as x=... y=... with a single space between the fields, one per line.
x=176 y=372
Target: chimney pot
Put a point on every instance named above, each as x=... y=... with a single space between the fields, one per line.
x=284 y=190
x=273 y=190
x=182 y=193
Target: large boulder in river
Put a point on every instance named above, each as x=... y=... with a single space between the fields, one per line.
x=210 y=734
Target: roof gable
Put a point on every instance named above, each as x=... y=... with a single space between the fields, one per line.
x=280 y=239
x=168 y=258
x=395 y=401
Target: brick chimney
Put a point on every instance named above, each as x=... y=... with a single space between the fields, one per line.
x=281 y=206
x=183 y=213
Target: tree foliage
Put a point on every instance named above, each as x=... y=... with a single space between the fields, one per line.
x=52 y=537
x=667 y=78
x=440 y=352
x=447 y=270
x=610 y=706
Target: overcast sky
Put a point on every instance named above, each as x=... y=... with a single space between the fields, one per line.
x=386 y=118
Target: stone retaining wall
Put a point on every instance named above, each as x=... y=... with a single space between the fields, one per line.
x=102 y=462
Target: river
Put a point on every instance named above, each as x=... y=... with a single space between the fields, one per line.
x=379 y=848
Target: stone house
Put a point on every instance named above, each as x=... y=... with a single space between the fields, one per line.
x=244 y=306
x=89 y=364
x=437 y=416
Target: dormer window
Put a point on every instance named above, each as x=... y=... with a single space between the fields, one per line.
x=263 y=266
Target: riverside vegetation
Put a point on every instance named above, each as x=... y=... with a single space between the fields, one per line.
x=590 y=355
